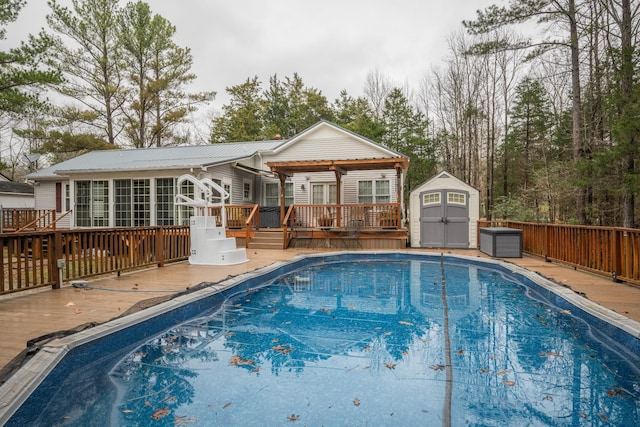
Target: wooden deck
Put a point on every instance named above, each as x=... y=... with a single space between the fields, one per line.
x=39 y=312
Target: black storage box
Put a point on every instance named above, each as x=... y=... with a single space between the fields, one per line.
x=501 y=242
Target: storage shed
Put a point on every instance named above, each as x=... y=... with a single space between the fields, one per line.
x=444 y=213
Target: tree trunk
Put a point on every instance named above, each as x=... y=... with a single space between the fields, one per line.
x=626 y=88
x=578 y=144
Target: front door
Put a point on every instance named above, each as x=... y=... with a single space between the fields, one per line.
x=444 y=219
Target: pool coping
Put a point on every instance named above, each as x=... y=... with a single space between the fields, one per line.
x=17 y=389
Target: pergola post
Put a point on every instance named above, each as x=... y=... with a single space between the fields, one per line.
x=399 y=192
x=282 y=177
x=338 y=172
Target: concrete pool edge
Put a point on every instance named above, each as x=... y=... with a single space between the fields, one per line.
x=20 y=386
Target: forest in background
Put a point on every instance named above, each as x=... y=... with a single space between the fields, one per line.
x=536 y=104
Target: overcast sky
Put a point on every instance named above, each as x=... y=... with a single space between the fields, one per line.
x=331 y=44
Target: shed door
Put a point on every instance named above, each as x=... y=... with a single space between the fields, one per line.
x=444 y=219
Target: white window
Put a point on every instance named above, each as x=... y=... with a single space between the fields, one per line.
x=431 y=199
x=165 y=210
x=132 y=200
x=378 y=191
x=272 y=194
x=246 y=190
x=323 y=193
x=92 y=203
x=226 y=186
x=67 y=197
x=457 y=198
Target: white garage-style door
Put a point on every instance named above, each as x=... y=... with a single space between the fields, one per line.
x=444 y=219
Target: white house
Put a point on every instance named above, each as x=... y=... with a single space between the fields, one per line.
x=123 y=188
x=444 y=213
x=15 y=194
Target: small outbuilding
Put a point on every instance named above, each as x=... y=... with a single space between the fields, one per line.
x=444 y=213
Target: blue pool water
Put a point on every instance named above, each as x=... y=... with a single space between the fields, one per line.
x=335 y=341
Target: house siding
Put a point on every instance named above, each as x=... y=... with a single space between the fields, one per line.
x=45 y=198
x=45 y=195
x=322 y=142
x=17 y=201
x=328 y=143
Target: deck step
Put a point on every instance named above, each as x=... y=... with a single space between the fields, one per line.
x=267 y=239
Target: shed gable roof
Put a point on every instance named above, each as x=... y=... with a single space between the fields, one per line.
x=437 y=180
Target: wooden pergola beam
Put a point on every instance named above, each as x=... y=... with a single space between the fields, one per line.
x=339 y=168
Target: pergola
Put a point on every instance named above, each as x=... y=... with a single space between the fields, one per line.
x=286 y=169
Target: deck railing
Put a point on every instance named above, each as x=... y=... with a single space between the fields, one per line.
x=368 y=216
x=14 y=219
x=379 y=216
x=608 y=251
x=35 y=259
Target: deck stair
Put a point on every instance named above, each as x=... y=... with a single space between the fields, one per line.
x=267 y=239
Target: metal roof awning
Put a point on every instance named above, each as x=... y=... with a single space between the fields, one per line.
x=255 y=171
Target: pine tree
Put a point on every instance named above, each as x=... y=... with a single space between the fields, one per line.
x=26 y=70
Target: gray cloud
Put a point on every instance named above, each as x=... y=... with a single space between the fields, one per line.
x=331 y=44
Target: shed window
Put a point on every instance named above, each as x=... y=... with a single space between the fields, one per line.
x=431 y=198
x=457 y=198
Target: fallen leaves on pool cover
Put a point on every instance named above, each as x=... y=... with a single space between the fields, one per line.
x=160 y=413
x=402 y=322
x=550 y=353
x=282 y=348
x=390 y=365
x=617 y=391
x=437 y=367
x=509 y=383
x=237 y=360
x=356 y=402
x=182 y=420
x=293 y=417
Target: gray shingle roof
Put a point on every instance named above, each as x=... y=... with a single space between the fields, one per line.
x=15 y=188
x=155 y=158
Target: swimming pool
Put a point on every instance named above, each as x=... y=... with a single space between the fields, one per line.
x=350 y=339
